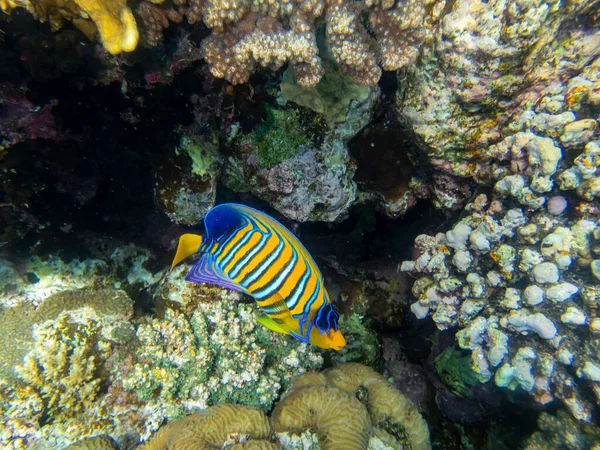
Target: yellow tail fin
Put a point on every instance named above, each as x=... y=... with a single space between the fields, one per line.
x=188 y=245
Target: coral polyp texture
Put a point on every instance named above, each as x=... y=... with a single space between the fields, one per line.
x=346 y=406
x=112 y=19
x=251 y=34
x=518 y=274
x=349 y=407
x=217 y=427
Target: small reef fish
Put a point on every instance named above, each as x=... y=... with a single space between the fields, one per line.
x=250 y=252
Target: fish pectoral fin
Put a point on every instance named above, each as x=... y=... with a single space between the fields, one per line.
x=271 y=324
x=188 y=245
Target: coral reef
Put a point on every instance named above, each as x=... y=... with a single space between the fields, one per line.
x=186 y=183
x=516 y=282
x=340 y=421
x=395 y=418
x=339 y=406
x=60 y=359
x=296 y=163
x=21 y=120
x=93 y=443
x=516 y=273
x=490 y=72
x=214 y=428
x=252 y=34
x=112 y=19
x=205 y=349
x=561 y=431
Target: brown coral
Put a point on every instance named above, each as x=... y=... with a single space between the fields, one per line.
x=342 y=402
x=93 y=443
x=213 y=428
x=340 y=421
x=248 y=34
x=389 y=409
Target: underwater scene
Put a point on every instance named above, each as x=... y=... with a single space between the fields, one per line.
x=300 y=224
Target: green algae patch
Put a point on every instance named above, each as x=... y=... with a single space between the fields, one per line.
x=278 y=137
x=361 y=342
x=454 y=368
x=204 y=155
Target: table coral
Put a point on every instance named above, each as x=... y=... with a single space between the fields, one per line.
x=112 y=19
x=214 y=428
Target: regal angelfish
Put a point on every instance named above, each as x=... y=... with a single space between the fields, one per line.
x=249 y=251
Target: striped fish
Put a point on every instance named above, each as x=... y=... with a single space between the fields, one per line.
x=249 y=251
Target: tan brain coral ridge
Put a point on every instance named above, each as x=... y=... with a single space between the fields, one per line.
x=213 y=428
x=348 y=403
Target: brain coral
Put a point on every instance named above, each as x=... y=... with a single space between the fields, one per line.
x=341 y=421
x=93 y=443
x=213 y=428
x=335 y=402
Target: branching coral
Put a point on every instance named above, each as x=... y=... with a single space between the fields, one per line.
x=64 y=365
x=214 y=428
x=113 y=19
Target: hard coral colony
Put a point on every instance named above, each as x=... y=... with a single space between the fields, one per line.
x=249 y=34
x=490 y=120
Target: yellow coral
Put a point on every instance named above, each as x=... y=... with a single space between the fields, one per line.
x=340 y=421
x=213 y=428
x=114 y=20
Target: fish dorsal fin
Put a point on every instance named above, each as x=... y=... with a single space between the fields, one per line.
x=206 y=271
x=188 y=245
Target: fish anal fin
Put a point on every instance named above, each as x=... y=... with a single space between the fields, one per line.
x=271 y=325
x=206 y=271
x=188 y=245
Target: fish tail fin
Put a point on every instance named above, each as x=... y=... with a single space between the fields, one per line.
x=188 y=245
